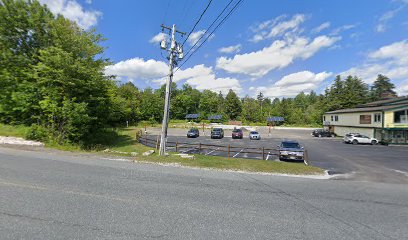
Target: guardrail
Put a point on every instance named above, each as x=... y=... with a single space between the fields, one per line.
x=229 y=149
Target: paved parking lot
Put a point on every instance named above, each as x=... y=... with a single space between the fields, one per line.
x=357 y=162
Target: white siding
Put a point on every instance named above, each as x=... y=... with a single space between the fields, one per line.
x=352 y=119
x=341 y=131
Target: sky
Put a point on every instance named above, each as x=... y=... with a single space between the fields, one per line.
x=279 y=48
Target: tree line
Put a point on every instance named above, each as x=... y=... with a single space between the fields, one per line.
x=52 y=79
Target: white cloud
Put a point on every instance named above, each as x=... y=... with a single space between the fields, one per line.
x=138 y=68
x=72 y=10
x=390 y=60
x=158 y=38
x=276 y=27
x=194 y=36
x=230 y=49
x=278 y=55
x=302 y=78
x=292 y=84
x=202 y=77
x=321 y=27
x=383 y=20
x=343 y=28
x=402 y=90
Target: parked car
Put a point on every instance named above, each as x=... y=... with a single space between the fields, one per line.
x=237 y=133
x=193 y=133
x=217 y=133
x=359 y=139
x=291 y=150
x=254 y=135
x=322 y=133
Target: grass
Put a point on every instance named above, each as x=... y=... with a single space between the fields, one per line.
x=13 y=130
x=123 y=140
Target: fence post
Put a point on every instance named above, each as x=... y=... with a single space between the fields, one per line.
x=199 y=146
x=176 y=145
x=263 y=153
x=229 y=150
x=157 y=142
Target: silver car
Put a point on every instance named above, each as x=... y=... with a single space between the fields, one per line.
x=254 y=135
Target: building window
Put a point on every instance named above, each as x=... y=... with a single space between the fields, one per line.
x=324 y=118
x=377 y=117
x=332 y=118
x=401 y=116
x=336 y=118
x=365 y=119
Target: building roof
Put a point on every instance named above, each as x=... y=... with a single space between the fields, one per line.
x=384 y=102
x=369 y=109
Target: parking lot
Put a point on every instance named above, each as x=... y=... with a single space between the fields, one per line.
x=357 y=162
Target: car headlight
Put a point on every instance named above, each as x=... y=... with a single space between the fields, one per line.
x=299 y=153
x=284 y=152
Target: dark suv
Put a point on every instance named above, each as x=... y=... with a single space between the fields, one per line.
x=291 y=150
x=322 y=133
x=237 y=133
x=193 y=133
x=217 y=133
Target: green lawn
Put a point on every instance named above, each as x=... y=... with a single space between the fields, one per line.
x=123 y=141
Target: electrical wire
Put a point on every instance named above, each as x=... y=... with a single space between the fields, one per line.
x=199 y=19
x=216 y=19
x=208 y=36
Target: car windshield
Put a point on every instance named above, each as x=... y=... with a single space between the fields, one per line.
x=217 y=130
x=290 y=145
x=236 y=130
x=254 y=132
x=193 y=130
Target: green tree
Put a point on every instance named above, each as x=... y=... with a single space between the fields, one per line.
x=233 y=105
x=382 y=86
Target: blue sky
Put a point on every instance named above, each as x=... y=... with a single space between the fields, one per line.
x=277 y=47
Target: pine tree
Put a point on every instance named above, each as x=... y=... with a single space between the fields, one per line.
x=382 y=86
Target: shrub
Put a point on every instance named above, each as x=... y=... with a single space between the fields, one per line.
x=37 y=132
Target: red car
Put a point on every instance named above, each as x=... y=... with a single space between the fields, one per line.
x=237 y=133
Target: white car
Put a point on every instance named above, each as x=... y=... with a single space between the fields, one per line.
x=254 y=135
x=359 y=139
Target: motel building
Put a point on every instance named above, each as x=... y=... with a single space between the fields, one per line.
x=386 y=120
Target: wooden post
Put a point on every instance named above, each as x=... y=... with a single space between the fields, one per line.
x=199 y=146
x=157 y=142
x=263 y=153
x=228 y=150
x=176 y=145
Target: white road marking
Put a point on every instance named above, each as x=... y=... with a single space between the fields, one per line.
x=402 y=172
x=212 y=151
x=238 y=153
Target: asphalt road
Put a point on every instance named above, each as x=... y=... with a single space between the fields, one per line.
x=357 y=162
x=58 y=195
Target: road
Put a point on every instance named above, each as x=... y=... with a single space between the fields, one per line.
x=388 y=164
x=48 y=194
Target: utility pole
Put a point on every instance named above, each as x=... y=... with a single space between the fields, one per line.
x=175 y=51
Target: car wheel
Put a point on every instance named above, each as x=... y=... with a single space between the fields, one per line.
x=355 y=141
x=373 y=142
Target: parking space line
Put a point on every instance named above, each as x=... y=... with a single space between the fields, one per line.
x=212 y=151
x=238 y=153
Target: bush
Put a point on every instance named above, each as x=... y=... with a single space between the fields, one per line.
x=37 y=132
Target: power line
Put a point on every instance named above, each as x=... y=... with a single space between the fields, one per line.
x=208 y=36
x=199 y=19
x=216 y=19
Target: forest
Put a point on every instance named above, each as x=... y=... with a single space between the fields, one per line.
x=52 y=79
